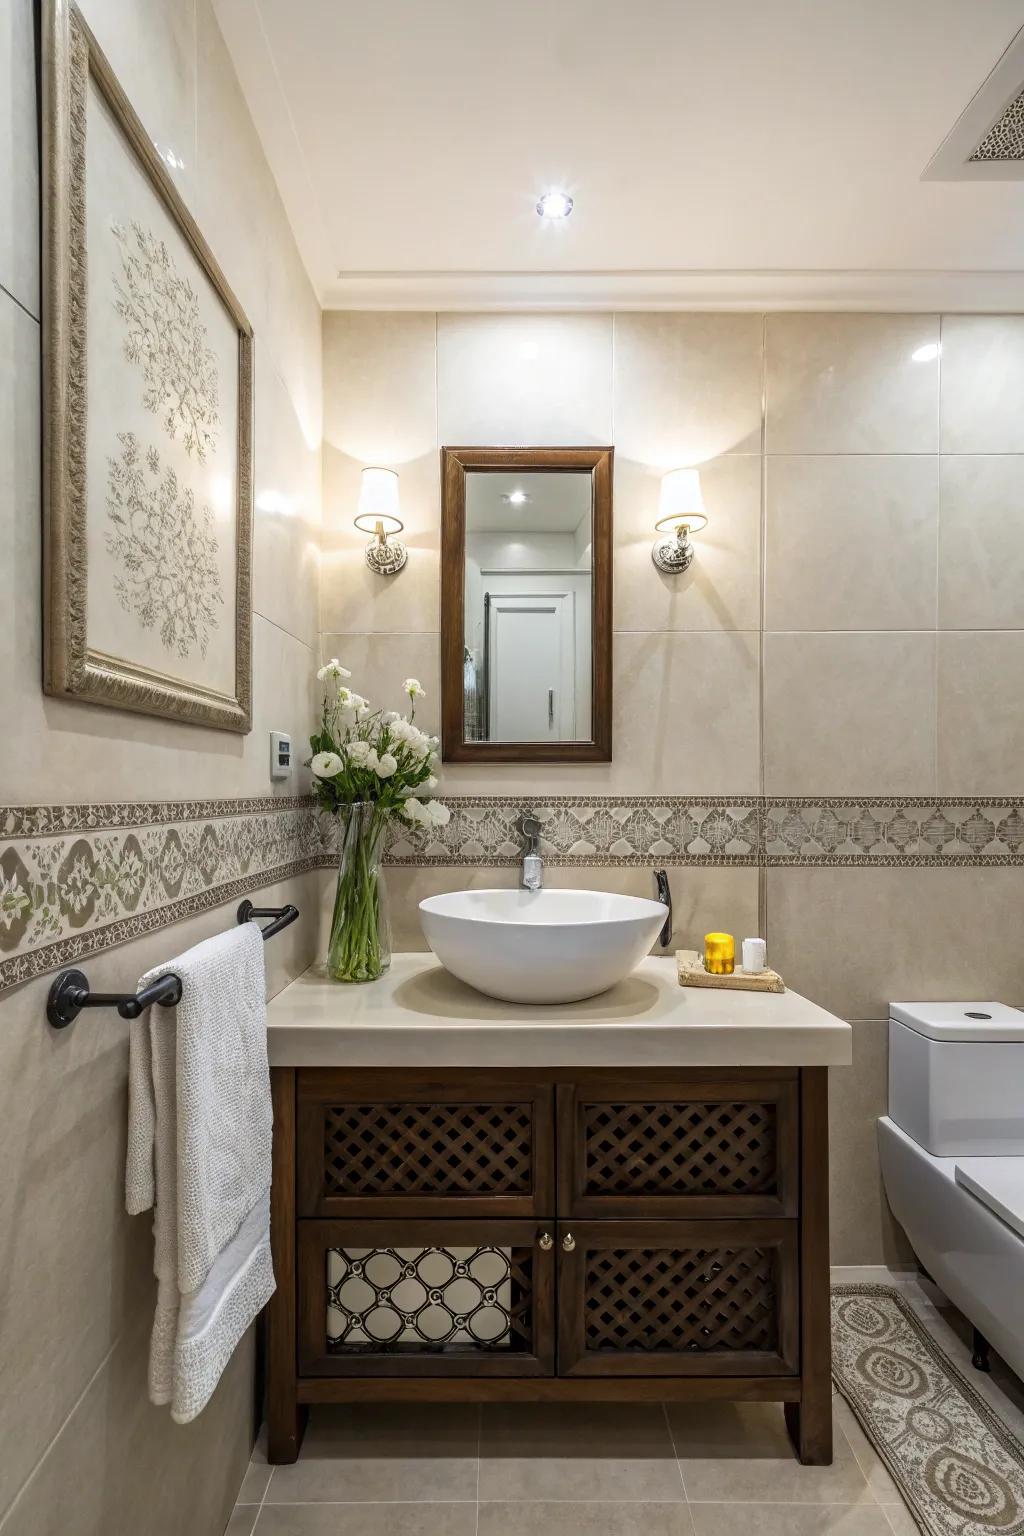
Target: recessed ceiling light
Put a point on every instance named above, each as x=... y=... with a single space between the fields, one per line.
x=555 y=205
x=927 y=353
x=516 y=498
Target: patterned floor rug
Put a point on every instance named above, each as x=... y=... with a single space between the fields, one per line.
x=960 y=1470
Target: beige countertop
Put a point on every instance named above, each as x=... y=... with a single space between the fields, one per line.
x=418 y=1015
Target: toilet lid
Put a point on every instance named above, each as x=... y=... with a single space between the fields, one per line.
x=997 y=1182
x=961 y=1021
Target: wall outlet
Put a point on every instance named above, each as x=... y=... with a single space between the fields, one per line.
x=280 y=755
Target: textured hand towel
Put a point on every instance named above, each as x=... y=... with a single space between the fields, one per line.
x=199 y=1153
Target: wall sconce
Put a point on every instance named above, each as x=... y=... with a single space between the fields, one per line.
x=378 y=514
x=682 y=513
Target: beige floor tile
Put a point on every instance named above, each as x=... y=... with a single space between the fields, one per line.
x=366 y=1520
x=879 y=1478
x=242 y=1520
x=901 y=1521
x=254 y=1483
x=566 y=1518
x=790 y=1520
x=741 y=1453
x=383 y=1452
x=577 y=1452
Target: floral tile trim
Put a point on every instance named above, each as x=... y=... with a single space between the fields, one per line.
x=897 y=831
x=595 y=830
x=67 y=894
x=92 y=816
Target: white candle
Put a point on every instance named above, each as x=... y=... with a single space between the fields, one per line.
x=755 y=956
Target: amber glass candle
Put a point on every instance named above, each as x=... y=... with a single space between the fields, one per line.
x=719 y=954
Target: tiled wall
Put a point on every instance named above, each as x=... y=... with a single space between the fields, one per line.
x=823 y=719
x=91 y=850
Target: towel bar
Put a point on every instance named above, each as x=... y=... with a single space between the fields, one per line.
x=70 y=991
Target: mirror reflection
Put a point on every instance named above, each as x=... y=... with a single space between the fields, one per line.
x=527 y=605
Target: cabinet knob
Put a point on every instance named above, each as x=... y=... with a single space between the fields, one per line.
x=545 y=1242
x=568 y=1243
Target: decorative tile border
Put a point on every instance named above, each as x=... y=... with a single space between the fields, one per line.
x=85 y=885
x=590 y=830
x=76 y=879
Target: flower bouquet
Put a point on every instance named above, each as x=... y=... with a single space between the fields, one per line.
x=368 y=766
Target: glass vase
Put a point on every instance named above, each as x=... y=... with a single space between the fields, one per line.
x=360 y=942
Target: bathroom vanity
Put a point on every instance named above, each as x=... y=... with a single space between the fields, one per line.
x=623 y=1198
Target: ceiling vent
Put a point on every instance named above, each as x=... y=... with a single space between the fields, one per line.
x=987 y=143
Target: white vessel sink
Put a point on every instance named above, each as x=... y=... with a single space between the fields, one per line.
x=540 y=946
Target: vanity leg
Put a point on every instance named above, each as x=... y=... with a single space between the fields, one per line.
x=980 y=1349
x=286 y=1416
x=810 y=1421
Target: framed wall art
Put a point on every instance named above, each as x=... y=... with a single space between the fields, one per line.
x=148 y=366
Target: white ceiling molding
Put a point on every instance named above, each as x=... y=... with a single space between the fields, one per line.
x=952 y=161
x=922 y=292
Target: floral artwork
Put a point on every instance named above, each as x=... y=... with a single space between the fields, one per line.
x=148 y=422
x=166 y=338
x=166 y=550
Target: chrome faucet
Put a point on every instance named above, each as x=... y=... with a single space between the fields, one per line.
x=532 y=876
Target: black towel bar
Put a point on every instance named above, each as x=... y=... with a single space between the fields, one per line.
x=70 y=991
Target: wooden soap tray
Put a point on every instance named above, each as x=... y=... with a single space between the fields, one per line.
x=692 y=974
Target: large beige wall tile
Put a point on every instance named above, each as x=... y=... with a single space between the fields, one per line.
x=685 y=714
x=687 y=387
x=849 y=714
x=722 y=588
x=19 y=158
x=119 y=1465
x=151 y=46
x=981 y=550
x=380 y=408
x=863 y=1230
x=850 y=542
x=980 y=715
x=524 y=379
x=380 y=663
x=851 y=384
x=856 y=939
x=286 y=513
x=982 y=384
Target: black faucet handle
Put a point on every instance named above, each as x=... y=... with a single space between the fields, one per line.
x=664 y=894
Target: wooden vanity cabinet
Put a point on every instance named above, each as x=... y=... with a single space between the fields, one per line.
x=556 y=1234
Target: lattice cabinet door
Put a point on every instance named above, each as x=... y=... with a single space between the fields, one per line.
x=677 y=1298
x=426 y=1298
x=677 y=1146
x=387 y=1144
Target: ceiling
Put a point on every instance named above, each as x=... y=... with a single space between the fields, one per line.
x=559 y=501
x=738 y=152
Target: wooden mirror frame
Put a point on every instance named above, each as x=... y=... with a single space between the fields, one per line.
x=454 y=464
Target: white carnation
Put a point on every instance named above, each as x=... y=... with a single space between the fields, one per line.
x=326 y=764
x=386 y=765
x=412 y=687
x=333 y=668
x=358 y=752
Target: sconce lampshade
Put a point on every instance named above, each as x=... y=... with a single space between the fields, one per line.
x=681 y=512
x=378 y=514
x=681 y=499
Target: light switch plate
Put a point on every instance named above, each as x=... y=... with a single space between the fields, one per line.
x=280 y=755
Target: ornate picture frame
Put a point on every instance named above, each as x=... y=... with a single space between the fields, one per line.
x=148 y=417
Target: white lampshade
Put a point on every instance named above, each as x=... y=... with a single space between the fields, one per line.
x=681 y=497
x=378 y=498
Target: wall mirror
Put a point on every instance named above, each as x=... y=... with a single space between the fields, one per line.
x=526 y=604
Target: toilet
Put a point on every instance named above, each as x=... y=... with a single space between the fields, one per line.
x=952 y=1157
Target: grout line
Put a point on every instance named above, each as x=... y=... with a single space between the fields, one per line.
x=675 y=1453
x=266 y=1490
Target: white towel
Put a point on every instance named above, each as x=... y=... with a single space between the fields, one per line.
x=199 y=1151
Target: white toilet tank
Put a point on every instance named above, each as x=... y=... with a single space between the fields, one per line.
x=956 y=1077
